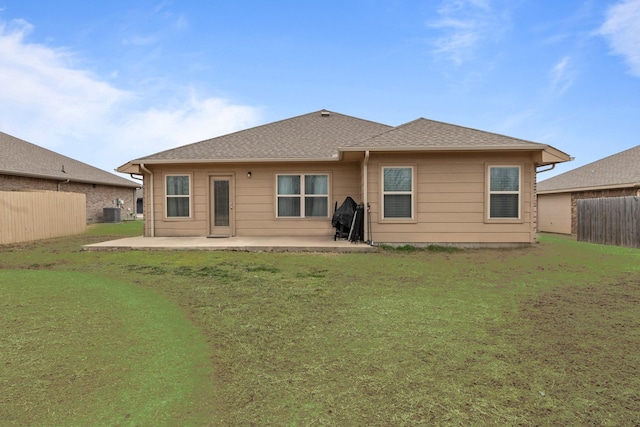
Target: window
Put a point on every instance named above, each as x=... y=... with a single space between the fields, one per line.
x=303 y=196
x=504 y=192
x=178 y=196
x=397 y=192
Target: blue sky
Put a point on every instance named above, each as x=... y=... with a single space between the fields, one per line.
x=108 y=82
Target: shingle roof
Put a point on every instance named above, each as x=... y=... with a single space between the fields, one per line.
x=315 y=135
x=423 y=133
x=617 y=170
x=322 y=135
x=18 y=157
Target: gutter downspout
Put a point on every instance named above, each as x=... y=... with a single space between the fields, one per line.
x=534 y=224
x=365 y=198
x=135 y=200
x=152 y=223
x=62 y=182
x=553 y=166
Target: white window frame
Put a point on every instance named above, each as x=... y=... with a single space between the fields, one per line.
x=303 y=196
x=187 y=196
x=490 y=193
x=411 y=193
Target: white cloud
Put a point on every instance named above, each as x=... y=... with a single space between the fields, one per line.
x=40 y=85
x=562 y=76
x=465 y=25
x=49 y=100
x=622 y=30
x=195 y=119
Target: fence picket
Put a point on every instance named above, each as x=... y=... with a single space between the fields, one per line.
x=35 y=215
x=610 y=221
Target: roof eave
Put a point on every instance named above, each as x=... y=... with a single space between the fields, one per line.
x=71 y=179
x=591 y=188
x=134 y=165
x=549 y=155
x=129 y=167
x=445 y=148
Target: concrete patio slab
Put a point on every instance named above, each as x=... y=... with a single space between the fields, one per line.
x=257 y=244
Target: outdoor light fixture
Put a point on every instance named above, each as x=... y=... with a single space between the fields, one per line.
x=249 y=174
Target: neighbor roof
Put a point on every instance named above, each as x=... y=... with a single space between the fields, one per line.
x=323 y=135
x=23 y=158
x=617 y=171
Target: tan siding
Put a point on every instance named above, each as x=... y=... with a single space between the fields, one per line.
x=455 y=217
x=254 y=208
x=450 y=200
x=554 y=213
x=446 y=207
x=254 y=215
x=257 y=199
x=452 y=227
x=450 y=177
x=346 y=182
x=477 y=197
x=428 y=188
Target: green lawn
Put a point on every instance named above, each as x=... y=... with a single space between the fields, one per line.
x=547 y=335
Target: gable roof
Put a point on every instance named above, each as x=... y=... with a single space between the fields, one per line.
x=313 y=136
x=23 y=158
x=616 y=171
x=423 y=133
x=324 y=135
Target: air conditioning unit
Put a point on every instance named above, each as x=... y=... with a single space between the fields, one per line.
x=111 y=215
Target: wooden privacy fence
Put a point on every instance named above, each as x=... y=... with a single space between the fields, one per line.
x=610 y=221
x=28 y=216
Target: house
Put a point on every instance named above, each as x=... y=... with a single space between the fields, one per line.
x=424 y=182
x=614 y=176
x=27 y=167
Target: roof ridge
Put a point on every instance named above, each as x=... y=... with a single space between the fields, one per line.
x=445 y=125
x=252 y=128
x=323 y=134
x=257 y=127
x=478 y=130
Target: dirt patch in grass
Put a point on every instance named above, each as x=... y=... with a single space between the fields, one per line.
x=575 y=356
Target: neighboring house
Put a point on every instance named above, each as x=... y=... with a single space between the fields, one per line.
x=139 y=202
x=425 y=182
x=614 y=176
x=27 y=167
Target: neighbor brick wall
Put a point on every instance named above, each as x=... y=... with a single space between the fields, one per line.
x=619 y=192
x=98 y=196
x=20 y=183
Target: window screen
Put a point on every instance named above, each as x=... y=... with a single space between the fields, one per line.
x=303 y=196
x=397 y=192
x=178 y=197
x=504 y=192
